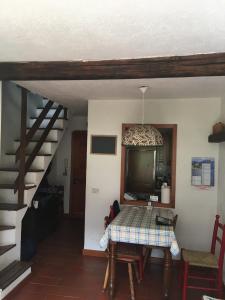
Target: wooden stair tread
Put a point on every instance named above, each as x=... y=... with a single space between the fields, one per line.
x=47 y=118
x=6 y=227
x=17 y=170
x=12 y=272
x=40 y=107
x=36 y=141
x=39 y=154
x=9 y=186
x=11 y=206
x=53 y=128
x=4 y=249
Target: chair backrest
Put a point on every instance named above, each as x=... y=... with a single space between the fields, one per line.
x=116 y=207
x=108 y=219
x=175 y=221
x=218 y=238
x=113 y=212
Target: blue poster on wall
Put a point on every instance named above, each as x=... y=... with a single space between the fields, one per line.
x=203 y=171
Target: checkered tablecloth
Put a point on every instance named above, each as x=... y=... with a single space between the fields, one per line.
x=137 y=225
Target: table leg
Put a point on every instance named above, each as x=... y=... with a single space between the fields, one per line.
x=112 y=267
x=167 y=272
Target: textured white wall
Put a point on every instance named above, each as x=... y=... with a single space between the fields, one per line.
x=11 y=112
x=56 y=176
x=221 y=176
x=196 y=208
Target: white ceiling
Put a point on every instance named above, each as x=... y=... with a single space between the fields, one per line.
x=94 y=30
x=75 y=94
x=98 y=29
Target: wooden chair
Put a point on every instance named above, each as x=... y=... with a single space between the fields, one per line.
x=197 y=260
x=147 y=250
x=126 y=253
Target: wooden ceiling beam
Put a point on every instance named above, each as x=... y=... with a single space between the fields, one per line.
x=157 y=67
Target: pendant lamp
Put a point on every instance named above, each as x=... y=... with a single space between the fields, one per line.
x=142 y=135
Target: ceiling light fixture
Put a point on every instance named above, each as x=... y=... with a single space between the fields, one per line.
x=142 y=135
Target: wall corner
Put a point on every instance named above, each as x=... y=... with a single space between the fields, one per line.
x=0 y=119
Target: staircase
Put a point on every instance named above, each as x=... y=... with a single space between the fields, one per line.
x=20 y=175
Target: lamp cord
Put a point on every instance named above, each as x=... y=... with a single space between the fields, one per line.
x=143 y=107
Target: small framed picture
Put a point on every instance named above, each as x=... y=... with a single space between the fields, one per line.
x=103 y=144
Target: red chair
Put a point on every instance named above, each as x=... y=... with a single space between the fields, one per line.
x=197 y=260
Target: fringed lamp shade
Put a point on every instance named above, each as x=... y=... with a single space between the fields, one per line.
x=142 y=135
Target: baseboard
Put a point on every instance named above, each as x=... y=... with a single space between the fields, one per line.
x=157 y=260
x=160 y=261
x=94 y=253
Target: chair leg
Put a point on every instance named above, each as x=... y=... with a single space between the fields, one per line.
x=184 y=295
x=220 y=294
x=181 y=271
x=141 y=269
x=146 y=256
x=138 y=277
x=130 y=272
x=220 y=284
x=106 y=278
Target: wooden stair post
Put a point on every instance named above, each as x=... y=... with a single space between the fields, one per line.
x=22 y=154
x=65 y=113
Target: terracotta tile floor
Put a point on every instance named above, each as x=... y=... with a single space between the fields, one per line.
x=60 y=272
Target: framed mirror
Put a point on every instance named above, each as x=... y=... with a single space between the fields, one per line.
x=145 y=169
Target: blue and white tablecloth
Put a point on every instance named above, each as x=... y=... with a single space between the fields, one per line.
x=137 y=225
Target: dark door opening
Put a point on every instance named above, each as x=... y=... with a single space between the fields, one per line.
x=78 y=173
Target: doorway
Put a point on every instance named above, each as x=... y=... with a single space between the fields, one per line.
x=78 y=173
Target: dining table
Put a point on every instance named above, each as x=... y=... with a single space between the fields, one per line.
x=137 y=225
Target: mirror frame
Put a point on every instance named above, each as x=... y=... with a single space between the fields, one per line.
x=173 y=169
